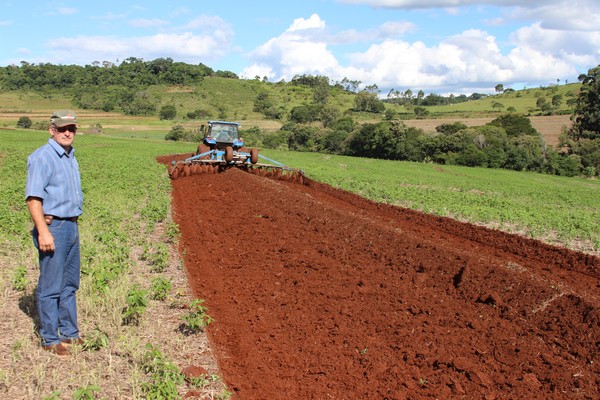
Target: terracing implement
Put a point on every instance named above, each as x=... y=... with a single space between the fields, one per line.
x=222 y=148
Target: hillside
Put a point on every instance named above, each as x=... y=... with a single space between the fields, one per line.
x=233 y=99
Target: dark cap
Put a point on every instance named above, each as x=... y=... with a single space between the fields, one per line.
x=62 y=118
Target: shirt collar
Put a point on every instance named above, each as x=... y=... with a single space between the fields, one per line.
x=59 y=149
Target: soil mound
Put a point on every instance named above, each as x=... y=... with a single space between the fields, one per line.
x=317 y=293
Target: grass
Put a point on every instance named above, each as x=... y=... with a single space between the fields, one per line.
x=127 y=203
x=233 y=99
x=523 y=101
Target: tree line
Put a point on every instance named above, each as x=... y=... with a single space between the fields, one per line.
x=131 y=73
x=508 y=142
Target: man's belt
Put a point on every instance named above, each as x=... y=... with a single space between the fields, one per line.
x=50 y=218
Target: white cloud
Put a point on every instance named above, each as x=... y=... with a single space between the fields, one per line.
x=300 y=24
x=297 y=51
x=185 y=46
x=577 y=15
x=575 y=48
x=203 y=39
x=471 y=59
x=66 y=11
x=304 y=48
x=147 y=23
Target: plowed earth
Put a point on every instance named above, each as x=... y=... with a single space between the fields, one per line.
x=317 y=293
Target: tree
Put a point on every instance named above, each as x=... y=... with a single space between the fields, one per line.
x=368 y=101
x=556 y=100
x=450 y=128
x=515 y=125
x=262 y=102
x=540 y=102
x=421 y=112
x=24 y=122
x=167 y=112
x=587 y=111
x=176 y=133
x=321 y=93
x=499 y=88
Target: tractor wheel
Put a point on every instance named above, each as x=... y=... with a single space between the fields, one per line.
x=254 y=156
x=229 y=154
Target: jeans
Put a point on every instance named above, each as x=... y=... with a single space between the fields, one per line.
x=58 y=283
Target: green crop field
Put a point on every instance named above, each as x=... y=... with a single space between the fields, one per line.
x=126 y=238
x=523 y=101
x=127 y=199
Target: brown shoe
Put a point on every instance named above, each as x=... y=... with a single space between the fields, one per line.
x=57 y=349
x=70 y=341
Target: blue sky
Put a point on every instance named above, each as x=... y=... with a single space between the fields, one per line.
x=441 y=46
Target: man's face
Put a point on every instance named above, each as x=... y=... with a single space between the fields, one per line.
x=64 y=136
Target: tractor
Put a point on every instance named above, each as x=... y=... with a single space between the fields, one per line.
x=222 y=148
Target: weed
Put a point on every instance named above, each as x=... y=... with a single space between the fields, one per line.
x=160 y=287
x=203 y=380
x=20 y=279
x=96 y=340
x=224 y=395
x=196 y=319
x=4 y=381
x=86 y=393
x=158 y=257
x=53 y=396
x=136 y=306
x=173 y=233
x=164 y=376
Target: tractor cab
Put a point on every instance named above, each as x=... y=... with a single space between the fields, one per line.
x=222 y=134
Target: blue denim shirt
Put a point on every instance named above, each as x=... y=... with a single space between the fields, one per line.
x=53 y=176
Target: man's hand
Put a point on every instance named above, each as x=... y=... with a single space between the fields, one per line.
x=45 y=238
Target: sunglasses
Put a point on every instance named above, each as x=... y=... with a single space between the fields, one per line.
x=63 y=129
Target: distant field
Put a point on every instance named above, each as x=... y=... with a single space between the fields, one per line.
x=550 y=127
x=237 y=96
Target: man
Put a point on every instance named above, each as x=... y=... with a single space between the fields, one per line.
x=55 y=201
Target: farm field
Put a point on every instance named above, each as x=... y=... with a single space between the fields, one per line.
x=319 y=293
x=128 y=238
x=550 y=127
x=114 y=124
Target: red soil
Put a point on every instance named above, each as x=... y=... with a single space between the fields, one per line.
x=317 y=294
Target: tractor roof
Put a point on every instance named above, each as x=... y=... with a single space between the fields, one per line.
x=223 y=123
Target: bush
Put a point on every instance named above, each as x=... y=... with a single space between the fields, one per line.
x=24 y=122
x=176 y=133
x=276 y=140
x=305 y=114
x=41 y=125
x=199 y=114
x=167 y=112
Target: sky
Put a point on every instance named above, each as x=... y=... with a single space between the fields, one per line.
x=438 y=46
